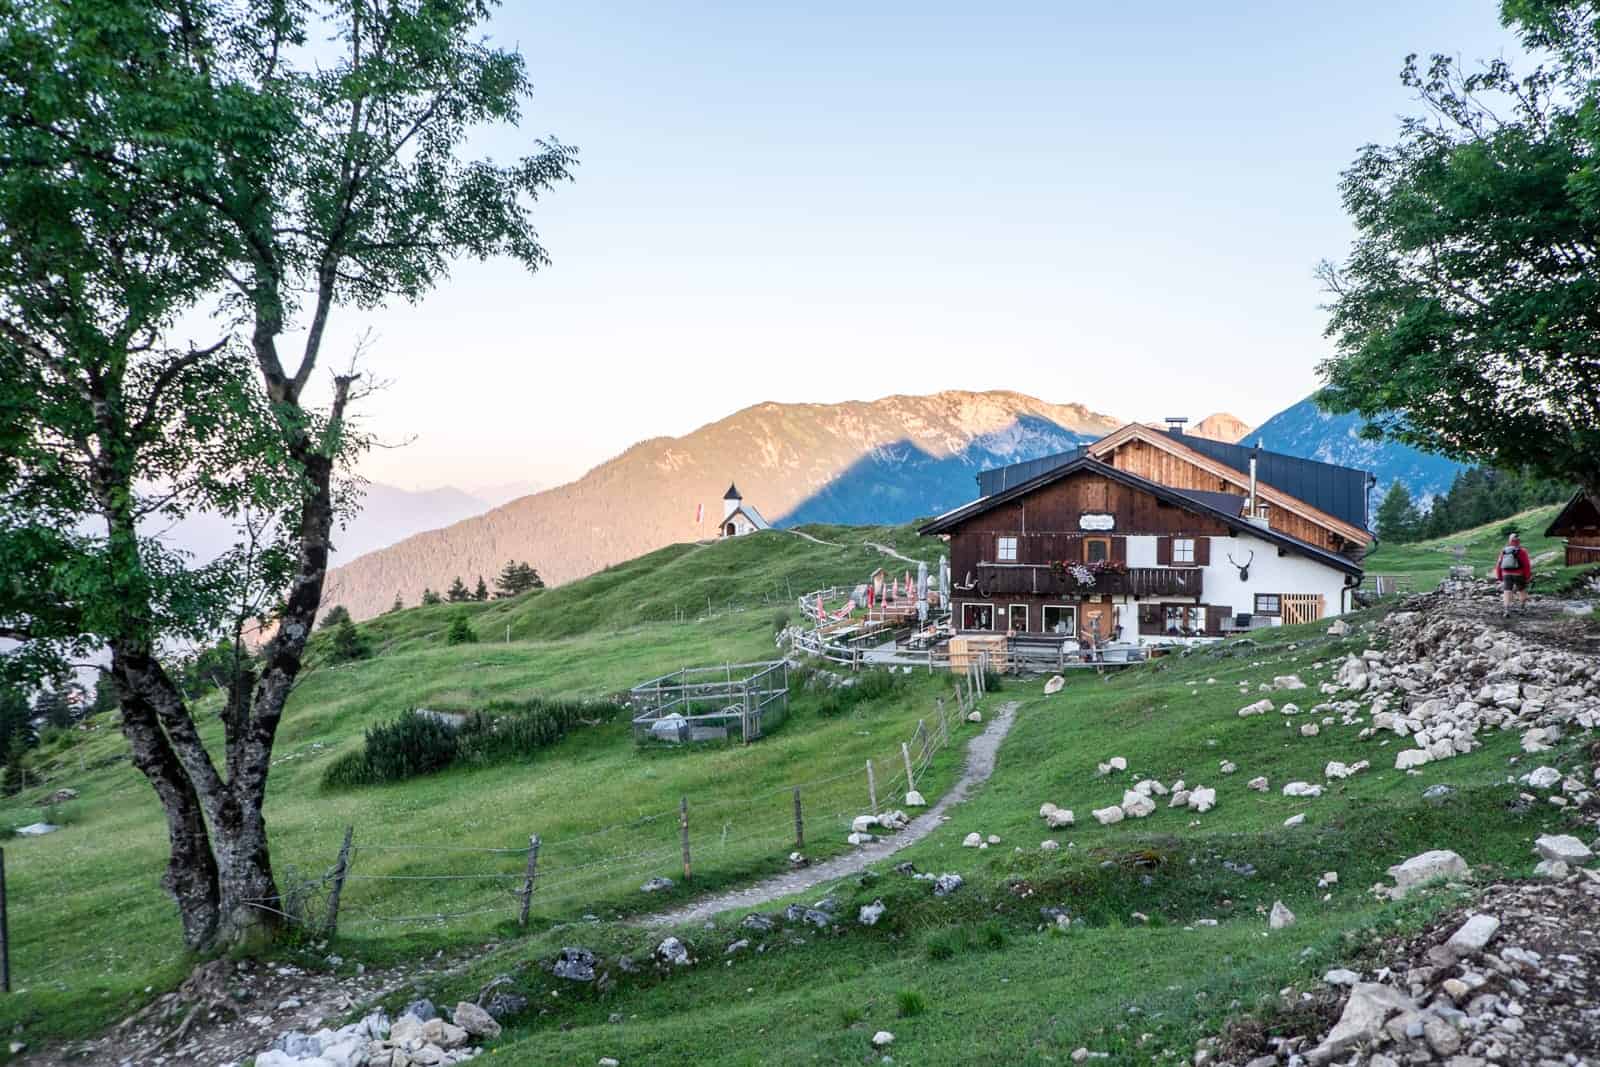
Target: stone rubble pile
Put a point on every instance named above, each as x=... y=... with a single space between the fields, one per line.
x=1515 y=981
x=421 y=1037
x=1446 y=678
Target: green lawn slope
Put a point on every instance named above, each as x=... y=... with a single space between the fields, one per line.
x=1428 y=562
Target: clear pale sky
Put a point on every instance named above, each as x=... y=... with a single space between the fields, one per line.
x=1115 y=204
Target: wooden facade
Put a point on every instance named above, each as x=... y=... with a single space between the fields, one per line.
x=1160 y=458
x=1014 y=560
x=1579 y=523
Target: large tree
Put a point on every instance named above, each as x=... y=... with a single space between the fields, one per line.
x=1467 y=315
x=254 y=167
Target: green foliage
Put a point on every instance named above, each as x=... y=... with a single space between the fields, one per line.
x=1398 y=518
x=1463 y=317
x=781 y=620
x=503 y=731
x=430 y=598
x=457 y=593
x=1481 y=495
x=105 y=694
x=865 y=687
x=398 y=605
x=14 y=775
x=335 y=616
x=481 y=593
x=909 y=1003
x=945 y=943
x=460 y=632
x=516 y=578
x=349 y=643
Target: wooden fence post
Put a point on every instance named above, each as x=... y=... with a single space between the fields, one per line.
x=922 y=731
x=799 y=822
x=683 y=834
x=905 y=754
x=872 y=788
x=530 y=876
x=330 y=923
x=5 y=930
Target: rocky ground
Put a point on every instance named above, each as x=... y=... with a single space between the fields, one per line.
x=1513 y=980
x=228 y=1011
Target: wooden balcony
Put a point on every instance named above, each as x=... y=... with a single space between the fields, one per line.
x=1003 y=579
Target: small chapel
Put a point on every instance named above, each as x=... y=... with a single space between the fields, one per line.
x=739 y=518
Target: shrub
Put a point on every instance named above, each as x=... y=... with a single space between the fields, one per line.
x=461 y=631
x=780 y=621
x=991 y=681
x=337 y=615
x=498 y=733
x=349 y=644
x=944 y=944
x=849 y=1015
x=992 y=935
x=909 y=1003
x=867 y=686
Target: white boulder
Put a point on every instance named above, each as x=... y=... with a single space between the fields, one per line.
x=1260 y=707
x=1202 y=799
x=1137 y=804
x=1563 y=848
x=1107 y=816
x=1302 y=789
x=1280 y=917
x=1054 y=685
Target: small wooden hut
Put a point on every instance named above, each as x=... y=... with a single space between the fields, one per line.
x=1579 y=524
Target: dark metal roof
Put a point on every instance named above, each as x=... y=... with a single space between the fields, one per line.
x=1339 y=491
x=1232 y=503
x=998 y=478
x=1188 y=500
x=732 y=493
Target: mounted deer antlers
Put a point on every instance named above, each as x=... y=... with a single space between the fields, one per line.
x=1244 y=568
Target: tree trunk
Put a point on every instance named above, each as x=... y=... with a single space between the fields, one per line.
x=191 y=875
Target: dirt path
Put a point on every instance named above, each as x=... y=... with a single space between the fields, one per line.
x=884 y=549
x=981 y=753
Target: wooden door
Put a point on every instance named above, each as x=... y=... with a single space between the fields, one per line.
x=1301 y=607
x=1095 y=621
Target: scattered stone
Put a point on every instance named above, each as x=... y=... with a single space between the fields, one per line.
x=946 y=884
x=1259 y=784
x=1302 y=789
x=1438 y=794
x=1048 y=845
x=882 y=1039
x=1280 y=917
x=975 y=716
x=1260 y=707
x=1202 y=800
x=1107 y=816
x=1137 y=805
x=1339 y=976
x=656 y=885
x=475 y=1021
x=1472 y=937
x=1295 y=820
x=673 y=952
x=1563 y=848
x=972 y=840
x=1425 y=868
x=573 y=964
x=1054 y=685
x=915 y=799
x=871 y=913
x=1059 y=818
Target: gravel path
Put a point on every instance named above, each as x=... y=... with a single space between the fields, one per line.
x=981 y=752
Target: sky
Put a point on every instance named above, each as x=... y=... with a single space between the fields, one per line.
x=1119 y=205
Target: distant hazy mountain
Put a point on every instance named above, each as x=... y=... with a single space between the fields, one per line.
x=504 y=492
x=1305 y=430
x=886 y=460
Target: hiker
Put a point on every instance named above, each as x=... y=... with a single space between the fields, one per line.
x=1513 y=570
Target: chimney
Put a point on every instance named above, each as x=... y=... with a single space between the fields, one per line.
x=1175 y=425
x=1251 y=509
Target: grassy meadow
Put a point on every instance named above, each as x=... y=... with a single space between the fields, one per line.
x=973 y=976
x=1428 y=562
x=986 y=979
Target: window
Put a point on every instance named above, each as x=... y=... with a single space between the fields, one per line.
x=1182 y=551
x=1060 y=619
x=1268 y=604
x=1096 y=549
x=977 y=616
x=1017 y=622
x=1006 y=550
x=1184 y=621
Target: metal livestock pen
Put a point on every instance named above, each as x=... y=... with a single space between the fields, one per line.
x=710 y=703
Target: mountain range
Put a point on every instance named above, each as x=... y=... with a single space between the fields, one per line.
x=881 y=461
x=1308 y=431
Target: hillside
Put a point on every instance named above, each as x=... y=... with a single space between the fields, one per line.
x=1165 y=915
x=888 y=460
x=1306 y=430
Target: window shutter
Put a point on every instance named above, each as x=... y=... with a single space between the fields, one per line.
x=1119 y=550
x=1149 y=618
x=1163 y=551
x=1202 y=551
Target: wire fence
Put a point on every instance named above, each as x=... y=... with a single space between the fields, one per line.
x=371 y=887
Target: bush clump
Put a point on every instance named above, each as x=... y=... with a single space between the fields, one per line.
x=500 y=732
x=869 y=685
x=461 y=631
x=349 y=643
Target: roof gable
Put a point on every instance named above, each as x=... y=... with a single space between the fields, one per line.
x=1581 y=513
x=1201 y=503
x=1337 y=493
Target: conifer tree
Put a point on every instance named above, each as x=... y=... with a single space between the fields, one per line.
x=430 y=597
x=398 y=605
x=482 y=592
x=457 y=592
x=1399 y=521
x=461 y=631
x=336 y=615
x=349 y=644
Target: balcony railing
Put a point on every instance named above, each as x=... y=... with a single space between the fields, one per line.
x=999 y=579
